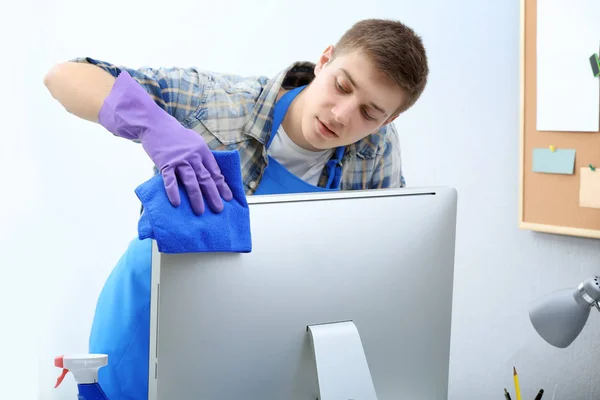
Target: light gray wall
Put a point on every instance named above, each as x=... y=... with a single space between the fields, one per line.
x=467 y=137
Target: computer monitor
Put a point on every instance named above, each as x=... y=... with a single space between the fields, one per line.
x=345 y=295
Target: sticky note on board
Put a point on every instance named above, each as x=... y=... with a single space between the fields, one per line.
x=595 y=64
x=559 y=161
x=589 y=188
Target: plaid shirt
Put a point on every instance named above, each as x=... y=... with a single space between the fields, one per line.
x=233 y=112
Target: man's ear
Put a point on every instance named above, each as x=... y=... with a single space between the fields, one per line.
x=324 y=59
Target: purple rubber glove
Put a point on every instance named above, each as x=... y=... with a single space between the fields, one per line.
x=178 y=152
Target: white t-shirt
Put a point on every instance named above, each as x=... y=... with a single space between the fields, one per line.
x=305 y=164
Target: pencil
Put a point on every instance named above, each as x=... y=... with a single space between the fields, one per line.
x=506 y=394
x=539 y=395
x=517 y=389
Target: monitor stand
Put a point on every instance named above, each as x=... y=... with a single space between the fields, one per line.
x=342 y=368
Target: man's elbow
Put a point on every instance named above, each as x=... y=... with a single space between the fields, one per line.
x=52 y=78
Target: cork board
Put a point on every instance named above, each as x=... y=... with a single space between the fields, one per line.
x=550 y=201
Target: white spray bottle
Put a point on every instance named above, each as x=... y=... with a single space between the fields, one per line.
x=85 y=371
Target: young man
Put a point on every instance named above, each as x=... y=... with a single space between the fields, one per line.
x=313 y=127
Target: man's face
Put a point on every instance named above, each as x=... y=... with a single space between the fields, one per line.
x=347 y=101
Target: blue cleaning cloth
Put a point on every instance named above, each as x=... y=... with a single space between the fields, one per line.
x=179 y=230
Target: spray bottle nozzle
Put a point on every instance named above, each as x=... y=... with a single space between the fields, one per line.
x=84 y=367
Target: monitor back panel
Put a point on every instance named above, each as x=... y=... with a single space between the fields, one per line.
x=233 y=326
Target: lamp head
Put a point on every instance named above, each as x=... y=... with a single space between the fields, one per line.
x=560 y=316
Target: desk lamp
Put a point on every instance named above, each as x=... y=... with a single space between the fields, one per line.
x=560 y=316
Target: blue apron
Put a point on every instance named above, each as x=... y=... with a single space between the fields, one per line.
x=121 y=325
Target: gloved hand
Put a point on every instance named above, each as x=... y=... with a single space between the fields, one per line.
x=178 y=152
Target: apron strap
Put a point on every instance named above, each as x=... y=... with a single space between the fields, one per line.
x=281 y=108
x=334 y=166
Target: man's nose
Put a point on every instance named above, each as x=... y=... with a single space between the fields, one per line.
x=342 y=112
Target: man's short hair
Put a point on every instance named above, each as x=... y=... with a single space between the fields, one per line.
x=395 y=49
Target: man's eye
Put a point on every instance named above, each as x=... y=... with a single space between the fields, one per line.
x=367 y=116
x=339 y=87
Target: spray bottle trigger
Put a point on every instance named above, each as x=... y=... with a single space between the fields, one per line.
x=61 y=377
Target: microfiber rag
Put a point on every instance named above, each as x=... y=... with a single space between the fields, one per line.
x=179 y=230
